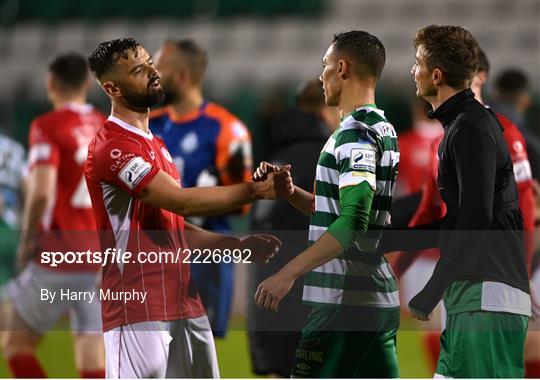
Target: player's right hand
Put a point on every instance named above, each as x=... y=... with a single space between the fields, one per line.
x=273 y=181
x=277 y=185
x=265 y=168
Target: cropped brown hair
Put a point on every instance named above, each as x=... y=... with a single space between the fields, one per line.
x=453 y=50
x=365 y=49
x=195 y=55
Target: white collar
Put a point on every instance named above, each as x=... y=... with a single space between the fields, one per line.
x=77 y=107
x=130 y=127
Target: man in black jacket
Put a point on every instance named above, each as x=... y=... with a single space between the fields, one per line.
x=481 y=272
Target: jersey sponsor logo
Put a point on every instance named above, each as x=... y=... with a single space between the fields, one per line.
x=189 y=143
x=134 y=171
x=121 y=160
x=363 y=159
x=115 y=153
x=152 y=155
x=40 y=152
x=166 y=154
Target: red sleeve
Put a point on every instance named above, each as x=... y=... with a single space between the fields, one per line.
x=527 y=205
x=522 y=172
x=126 y=164
x=43 y=149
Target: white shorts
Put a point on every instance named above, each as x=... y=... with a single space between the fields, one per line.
x=182 y=348
x=40 y=315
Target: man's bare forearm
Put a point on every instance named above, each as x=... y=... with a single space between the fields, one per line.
x=164 y=192
x=302 y=201
x=203 y=201
x=40 y=188
x=33 y=212
x=321 y=252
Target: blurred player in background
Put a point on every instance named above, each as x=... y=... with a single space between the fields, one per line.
x=415 y=149
x=57 y=216
x=12 y=164
x=532 y=344
x=414 y=269
x=298 y=135
x=351 y=331
x=139 y=205
x=211 y=147
x=513 y=99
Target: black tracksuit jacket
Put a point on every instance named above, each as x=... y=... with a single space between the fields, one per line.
x=481 y=236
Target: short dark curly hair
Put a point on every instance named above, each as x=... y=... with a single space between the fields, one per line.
x=107 y=54
x=451 y=49
x=364 y=49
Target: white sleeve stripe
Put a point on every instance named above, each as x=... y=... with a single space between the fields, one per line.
x=39 y=152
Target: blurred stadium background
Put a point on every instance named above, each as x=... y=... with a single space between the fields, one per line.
x=259 y=51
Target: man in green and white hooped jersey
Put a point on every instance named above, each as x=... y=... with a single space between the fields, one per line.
x=351 y=331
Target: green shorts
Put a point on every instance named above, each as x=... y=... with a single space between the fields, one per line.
x=336 y=343
x=483 y=344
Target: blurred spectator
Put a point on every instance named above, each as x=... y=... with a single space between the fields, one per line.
x=513 y=99
x=210 y=147
x=298 y=135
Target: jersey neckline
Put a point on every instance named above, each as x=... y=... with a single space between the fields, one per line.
x=130 y=127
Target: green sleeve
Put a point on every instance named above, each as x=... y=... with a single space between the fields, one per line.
x=355 y=205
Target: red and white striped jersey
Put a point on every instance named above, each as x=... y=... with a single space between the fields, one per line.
x=122 y=160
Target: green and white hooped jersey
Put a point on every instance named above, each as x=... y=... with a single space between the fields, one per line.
x=363 y=148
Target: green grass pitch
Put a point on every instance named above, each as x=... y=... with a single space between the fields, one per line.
x=233 y=354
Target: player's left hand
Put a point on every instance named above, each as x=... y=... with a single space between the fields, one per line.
x=420 y=315
x=417 y=310
x=262 y=247
x=272 y=290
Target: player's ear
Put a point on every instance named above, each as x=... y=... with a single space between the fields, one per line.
x=343 y=68
x=50 y=83
x=111 y=88
x=182 y=76
x=437 y=77
x=483 y=76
